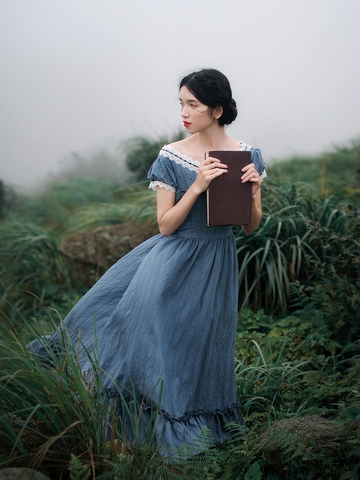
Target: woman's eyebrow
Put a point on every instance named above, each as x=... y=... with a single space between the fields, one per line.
x=189 y=100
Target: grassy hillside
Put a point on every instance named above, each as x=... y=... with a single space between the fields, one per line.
x=333 y=173
x=297 y=346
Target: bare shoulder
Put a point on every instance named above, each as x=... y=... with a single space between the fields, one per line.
x=233 y=144
x=182 y=146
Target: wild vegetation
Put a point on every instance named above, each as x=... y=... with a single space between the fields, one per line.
x=298 y=339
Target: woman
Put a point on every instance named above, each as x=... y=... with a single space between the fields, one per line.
x=168 y=309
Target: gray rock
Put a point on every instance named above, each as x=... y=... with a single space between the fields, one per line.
x=21 y=474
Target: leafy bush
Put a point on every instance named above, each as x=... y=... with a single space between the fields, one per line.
x=301 y=238
x=9 y=200
x=141 y=152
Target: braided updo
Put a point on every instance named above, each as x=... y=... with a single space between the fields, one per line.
x=212 y=88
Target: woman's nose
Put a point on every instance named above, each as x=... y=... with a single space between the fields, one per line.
x=184 y=111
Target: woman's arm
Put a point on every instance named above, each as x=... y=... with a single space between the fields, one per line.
x=171 y=216
x=251 y=175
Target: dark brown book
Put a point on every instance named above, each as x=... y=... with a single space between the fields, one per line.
x=228 y=199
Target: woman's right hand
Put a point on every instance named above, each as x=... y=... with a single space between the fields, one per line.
x=171 y=214
x=208 y=170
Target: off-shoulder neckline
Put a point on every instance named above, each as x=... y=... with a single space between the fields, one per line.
x=242 y=146
x=179 y=154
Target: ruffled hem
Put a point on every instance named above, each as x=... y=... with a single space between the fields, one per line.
x=149 y=407
x=173 y=431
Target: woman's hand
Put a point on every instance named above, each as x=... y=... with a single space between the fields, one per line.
x=251 y=175
x=170 y=214
x=208 y=170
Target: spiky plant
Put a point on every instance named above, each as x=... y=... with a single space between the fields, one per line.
x=57 y=418
x=31 y=267
x=292 y=244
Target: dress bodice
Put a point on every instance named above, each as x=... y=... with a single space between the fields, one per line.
x=177 y=172
x=195 y=225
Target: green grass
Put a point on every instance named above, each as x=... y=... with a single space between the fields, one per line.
x=54 y=418
x=298 y=338
x=335 y=172
x=302 y=238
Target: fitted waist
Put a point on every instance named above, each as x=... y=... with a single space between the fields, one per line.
x=205 y=232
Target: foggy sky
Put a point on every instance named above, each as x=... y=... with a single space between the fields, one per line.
x=75 y=73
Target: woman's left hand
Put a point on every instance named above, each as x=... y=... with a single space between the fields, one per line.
x=251 y=175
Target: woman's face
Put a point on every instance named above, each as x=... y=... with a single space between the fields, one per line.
x=196 y=116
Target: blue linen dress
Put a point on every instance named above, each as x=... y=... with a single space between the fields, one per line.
x=168 y=310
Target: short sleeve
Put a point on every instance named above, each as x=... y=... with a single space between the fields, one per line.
x=258 y=161
x=161 y=174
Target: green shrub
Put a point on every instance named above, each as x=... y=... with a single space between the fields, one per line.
x=141 y=152
x=301 y=238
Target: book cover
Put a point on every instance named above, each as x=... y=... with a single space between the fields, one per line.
x=228 y=199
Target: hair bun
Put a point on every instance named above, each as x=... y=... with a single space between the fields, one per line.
x=212 y=88
x=229 y=112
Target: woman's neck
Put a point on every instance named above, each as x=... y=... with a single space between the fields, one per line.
x=210 y=143
x=211 y=138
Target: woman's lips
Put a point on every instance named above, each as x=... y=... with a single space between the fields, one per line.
x=186 y=124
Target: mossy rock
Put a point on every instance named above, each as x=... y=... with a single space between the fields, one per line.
x=94 y=251
x=21 y=474
x=312 y=444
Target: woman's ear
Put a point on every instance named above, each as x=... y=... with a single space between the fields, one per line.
x=218 y=111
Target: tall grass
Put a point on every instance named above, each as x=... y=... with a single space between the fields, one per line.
x=56 y=418
x=334 y=172
x=292 y=244
x=53 y=206
x=31 y=268
x=303 y=259
x=264 y=386
x=139 y=205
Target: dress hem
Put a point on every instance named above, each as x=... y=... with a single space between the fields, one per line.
x=231 y=409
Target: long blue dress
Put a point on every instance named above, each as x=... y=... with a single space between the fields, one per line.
x=168 y=310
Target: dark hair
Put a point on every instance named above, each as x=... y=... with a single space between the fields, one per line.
x=212 y=88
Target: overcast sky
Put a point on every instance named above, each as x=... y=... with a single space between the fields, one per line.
x=76 y=73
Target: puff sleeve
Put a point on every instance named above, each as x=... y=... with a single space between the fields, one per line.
x=258 y=161
x=162 y=174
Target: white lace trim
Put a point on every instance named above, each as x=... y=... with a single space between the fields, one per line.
x=245 y=147
x=154 y=185
x=189 y=163
x=179 y=158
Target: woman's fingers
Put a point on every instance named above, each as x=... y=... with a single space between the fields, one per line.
x=250 y=174
x=208 y=170
x=212 y=167
x=211 y=163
